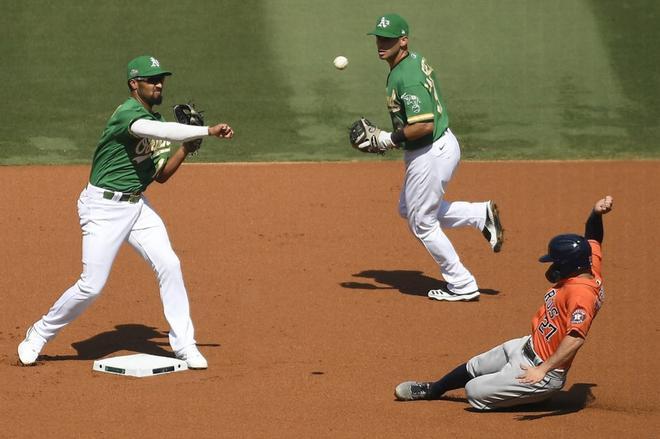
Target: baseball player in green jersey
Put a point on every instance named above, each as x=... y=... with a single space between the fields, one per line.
x=421 y=127
x=134 y=150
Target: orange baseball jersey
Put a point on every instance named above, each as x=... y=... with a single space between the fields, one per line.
x=571 y=305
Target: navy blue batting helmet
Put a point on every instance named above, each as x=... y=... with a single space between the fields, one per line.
x=570 y=254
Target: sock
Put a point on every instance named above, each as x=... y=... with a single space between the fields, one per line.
x=455 y=379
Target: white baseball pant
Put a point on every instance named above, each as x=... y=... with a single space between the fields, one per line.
x=106 y=224
x=428 y=171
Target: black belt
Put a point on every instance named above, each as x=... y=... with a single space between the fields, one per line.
x=528 y=351
x=131 y=198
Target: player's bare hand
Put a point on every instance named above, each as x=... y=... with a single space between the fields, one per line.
x=603 y=205
x=531 y=375
x=221 y=130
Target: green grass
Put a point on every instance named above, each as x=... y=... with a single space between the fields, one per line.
x=567 y=79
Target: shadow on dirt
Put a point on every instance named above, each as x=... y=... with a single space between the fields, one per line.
x=411 y=282
x=564 y=402
x=568 y=401
x=130 y=337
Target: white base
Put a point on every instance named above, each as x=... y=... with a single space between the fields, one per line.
x=139 y=365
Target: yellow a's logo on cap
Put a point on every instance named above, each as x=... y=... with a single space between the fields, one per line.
x=384 y=22
x=154 y=62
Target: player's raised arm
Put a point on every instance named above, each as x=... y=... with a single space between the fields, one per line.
x=604 y=205
x=593 y=229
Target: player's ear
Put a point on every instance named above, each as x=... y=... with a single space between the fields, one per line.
x=132 y=84
x=403 y=41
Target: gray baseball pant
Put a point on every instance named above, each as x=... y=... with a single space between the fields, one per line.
x=495 y=384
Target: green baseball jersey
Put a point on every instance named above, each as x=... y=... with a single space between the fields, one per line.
x=413 y=95
x=123 y=162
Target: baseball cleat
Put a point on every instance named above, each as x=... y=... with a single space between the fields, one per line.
x=493 y=231
x=448 y=296
x=29 y=349
x=412 y=391
x=193 y=358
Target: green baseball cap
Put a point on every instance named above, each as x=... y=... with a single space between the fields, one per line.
x=145 y=66
x=391 y=26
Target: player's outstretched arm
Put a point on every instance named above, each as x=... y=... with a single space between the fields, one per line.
x=221 y=130
x=178 y=132
x=593 y=229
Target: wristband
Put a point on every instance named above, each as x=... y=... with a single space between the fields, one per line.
x=398 y=136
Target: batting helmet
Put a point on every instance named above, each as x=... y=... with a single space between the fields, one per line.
x=570 y=254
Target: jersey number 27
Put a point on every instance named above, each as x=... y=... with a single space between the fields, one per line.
x=544 y=326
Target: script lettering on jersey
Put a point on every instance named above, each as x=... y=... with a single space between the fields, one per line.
x=393 y=103
x=394 y=106
x=550 y=304
x=429 y=84
x=601 y=295
x=147 y=147
x=546 y=328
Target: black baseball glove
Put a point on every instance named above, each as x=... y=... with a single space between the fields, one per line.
x=363 y=136
x=189 y=115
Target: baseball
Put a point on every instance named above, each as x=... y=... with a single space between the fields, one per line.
x=340 y=62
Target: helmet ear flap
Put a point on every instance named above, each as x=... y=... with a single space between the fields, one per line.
x=570 y=255
x=553 y=273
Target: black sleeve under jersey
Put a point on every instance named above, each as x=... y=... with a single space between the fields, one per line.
x=593 y=228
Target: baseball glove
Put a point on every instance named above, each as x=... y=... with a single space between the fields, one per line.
x=189 y=115
x=363 y=136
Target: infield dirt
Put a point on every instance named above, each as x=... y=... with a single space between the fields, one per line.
x=309 y=298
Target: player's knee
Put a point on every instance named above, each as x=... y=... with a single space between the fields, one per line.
x=474 y=366
x=91 y=287
x=476 y=397
x=169 y=263
x=422 y=225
